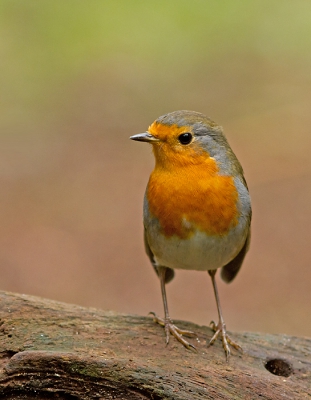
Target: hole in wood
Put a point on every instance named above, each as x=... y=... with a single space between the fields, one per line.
x=279 y=367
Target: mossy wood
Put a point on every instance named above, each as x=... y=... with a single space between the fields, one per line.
x=55 y=350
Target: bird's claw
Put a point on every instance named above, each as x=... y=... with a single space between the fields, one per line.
x=171 y=329
x=220 y=328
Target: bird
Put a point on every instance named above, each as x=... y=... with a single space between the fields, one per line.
x=197 y=209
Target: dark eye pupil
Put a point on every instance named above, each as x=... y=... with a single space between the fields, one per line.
x=185 y=138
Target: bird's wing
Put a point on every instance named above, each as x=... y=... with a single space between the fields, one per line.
x=169 y=272
x=230 y=270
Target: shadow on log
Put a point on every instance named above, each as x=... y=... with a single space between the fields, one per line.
x=51 y=350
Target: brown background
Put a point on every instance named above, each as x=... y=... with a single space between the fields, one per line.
x=78 y=78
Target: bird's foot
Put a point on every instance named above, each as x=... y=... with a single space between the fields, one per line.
x=171 y=329
x=220 y=328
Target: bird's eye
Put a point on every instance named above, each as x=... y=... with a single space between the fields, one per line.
x=185 y=138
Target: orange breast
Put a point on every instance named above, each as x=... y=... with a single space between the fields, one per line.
x=193 y=197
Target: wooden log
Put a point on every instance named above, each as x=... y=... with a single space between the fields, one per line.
x=55 y=350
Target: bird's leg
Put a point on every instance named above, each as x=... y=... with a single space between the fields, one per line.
x=220 y=328
x=169 y=327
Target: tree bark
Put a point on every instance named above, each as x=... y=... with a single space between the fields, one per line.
x=54 y=350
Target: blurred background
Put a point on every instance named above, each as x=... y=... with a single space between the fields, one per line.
x=77 y=78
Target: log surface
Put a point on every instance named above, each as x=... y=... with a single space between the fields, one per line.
x=54 y=350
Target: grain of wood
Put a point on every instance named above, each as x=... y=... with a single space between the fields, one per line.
x=55 y=350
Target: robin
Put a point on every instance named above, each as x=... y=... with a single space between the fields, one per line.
x=197 y=208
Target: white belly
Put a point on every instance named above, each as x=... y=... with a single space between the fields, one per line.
x=199 y=252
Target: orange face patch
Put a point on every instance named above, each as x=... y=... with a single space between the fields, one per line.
x=185 y=192
x=169 y=151
x=166 y=132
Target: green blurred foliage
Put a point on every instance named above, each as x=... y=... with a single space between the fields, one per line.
x=45 y=44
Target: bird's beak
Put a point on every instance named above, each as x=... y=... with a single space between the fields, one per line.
x=144 y=137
